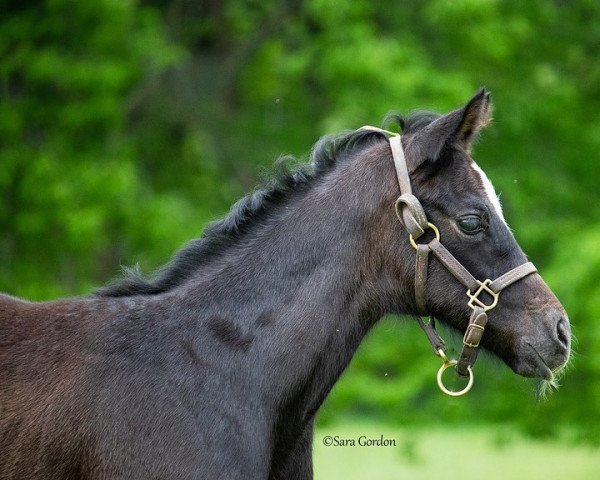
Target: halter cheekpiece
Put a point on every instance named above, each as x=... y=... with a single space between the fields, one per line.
x=412 y=216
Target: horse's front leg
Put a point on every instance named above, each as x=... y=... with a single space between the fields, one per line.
x=297 y=465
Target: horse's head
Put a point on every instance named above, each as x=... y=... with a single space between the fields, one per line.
x=528 y=328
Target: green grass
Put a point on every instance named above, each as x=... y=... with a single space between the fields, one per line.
x=445 y=453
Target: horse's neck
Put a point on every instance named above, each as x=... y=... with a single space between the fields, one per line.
x=297 y=295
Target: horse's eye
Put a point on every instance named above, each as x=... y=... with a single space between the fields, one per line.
x=471 y=224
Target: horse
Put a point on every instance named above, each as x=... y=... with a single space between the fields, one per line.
x=215 y=366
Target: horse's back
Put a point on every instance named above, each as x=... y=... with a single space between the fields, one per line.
x=35 y=336
x=38 y=365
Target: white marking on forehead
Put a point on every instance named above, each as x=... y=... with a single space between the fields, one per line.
x=489 y=190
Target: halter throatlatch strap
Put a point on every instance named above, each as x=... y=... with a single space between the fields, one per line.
x=437 y=342
x=483 y=296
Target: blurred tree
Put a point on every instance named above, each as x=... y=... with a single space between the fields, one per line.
x=71 y=187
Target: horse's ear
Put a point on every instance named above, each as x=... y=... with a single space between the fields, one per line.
x=458 y=129
x=476 y=115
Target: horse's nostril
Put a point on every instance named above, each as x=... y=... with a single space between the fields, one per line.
x=563 y=332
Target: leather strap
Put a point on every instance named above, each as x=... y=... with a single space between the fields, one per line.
x=411 y=214
x=408 y=208
x=512 y=276
x=471 y=340
x=453 y=265
x=421 y=266
x=400 y=164
x=437 y=343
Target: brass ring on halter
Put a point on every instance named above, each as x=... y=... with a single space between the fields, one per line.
x=430 y=225
x=447 y=391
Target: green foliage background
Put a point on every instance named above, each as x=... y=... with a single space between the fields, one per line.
x=126 y=126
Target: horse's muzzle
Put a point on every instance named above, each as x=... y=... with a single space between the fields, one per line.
x=548 y=351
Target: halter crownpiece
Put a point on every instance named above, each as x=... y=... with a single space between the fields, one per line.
x=411 y=214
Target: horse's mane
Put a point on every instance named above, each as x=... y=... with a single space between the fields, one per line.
x=254 y=209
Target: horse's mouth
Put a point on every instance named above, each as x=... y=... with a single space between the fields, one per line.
x=532 y=365
x=540 y=365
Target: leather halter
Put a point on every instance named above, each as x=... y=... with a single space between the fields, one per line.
x=412 y=216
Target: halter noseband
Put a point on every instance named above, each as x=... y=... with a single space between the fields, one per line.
x=412 y=216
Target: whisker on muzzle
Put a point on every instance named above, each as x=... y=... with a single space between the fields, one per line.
x=546 y=386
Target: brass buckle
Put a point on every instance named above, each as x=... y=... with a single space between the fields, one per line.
x=467 y=331
x=435 y=231
x=483 y=287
